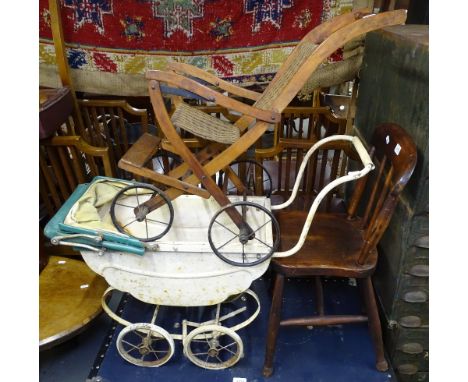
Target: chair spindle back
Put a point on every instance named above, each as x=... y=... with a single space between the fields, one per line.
x=394 y=154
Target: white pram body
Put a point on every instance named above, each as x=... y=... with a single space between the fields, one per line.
x=182 y=271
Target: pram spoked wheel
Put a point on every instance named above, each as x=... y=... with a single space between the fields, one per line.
x=133 y=217
x=255 y=250
x=213 y=347
x=143 y=340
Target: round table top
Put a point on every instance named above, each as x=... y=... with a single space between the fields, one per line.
x=69 y=299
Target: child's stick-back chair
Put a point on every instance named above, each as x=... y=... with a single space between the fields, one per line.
x=232 y=140
x=345 y=244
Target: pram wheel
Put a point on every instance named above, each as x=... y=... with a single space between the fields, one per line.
x=247 y=170
x=255 y=248
x=213 y=347
x=133 y=218
x=143 y=340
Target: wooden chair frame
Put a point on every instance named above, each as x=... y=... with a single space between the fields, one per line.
x=61 y=185
x=367 y=217
x=111 y=133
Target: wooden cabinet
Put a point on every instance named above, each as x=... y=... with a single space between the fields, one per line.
x=394 y=87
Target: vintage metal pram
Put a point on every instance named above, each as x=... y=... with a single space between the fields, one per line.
x=161 y=251
x=180 y=269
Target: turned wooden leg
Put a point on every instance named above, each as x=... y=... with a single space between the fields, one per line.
x=374 y=323
x=362 y=295
x=319 y=296
x=273 y=325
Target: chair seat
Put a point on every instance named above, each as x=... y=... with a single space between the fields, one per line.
x=332 y=246
x=204 y=125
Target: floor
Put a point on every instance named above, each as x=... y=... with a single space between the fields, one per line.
x=339 y=353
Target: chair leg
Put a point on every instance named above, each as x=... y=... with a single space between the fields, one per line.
x=374 y=323
x=362 y=296
x=273 y=325
x=319 y=296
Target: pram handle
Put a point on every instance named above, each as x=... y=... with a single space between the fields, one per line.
x=360 y=149
x=102 y=244
x=363 y=153
x=62 y=240
x=368 y=165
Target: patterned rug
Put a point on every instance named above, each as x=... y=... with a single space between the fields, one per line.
x=112 y=43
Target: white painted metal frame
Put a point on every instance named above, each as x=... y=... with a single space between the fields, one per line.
x=201 y=331
x=185 y=323
x=352 y=175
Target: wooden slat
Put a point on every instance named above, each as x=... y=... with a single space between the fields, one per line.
x=119 y=151
x=359 y=188
x=323 y=320
x=59 y=176
x=374 y=191
x=141 y=152
x=280 y=171
x=235 y=179
x=45 y=197
x=61 y=56
x=70 y=128
x=65 y=160
x=92 y=139
x=144 y=123
x=288 y=157
x=108 y=139
x=77 y=164
x=213 y=96
x=299 y=152
x=333 y=175
x=49 y=180
x=123 y=129
x=96 y=128
x=323 y=168
x=213 y=80
x=383 y=194
x=94 y=171
x=105 y=128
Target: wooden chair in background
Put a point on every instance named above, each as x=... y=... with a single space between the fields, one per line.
x=65 y=162
x=69 y=291
x=300 y=128
x=345 y=244
x=114 y=124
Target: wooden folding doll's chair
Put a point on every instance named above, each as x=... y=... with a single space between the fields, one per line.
x=229 y=141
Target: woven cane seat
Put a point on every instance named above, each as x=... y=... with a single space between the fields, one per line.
x=204 y=125
x=273 y=91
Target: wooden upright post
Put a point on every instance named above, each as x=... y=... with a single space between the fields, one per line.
x=61 y=58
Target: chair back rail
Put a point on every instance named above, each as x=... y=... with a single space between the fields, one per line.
x=114 y=124
x=65 y=162
x=394 y=153
x=299 y=129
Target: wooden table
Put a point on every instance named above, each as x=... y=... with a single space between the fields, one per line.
x=69 y=299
